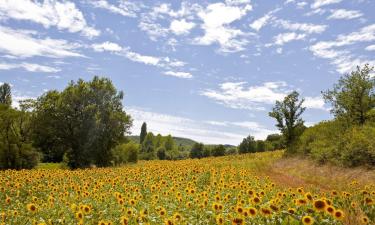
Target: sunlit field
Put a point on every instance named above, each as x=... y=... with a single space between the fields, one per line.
x=222 y=190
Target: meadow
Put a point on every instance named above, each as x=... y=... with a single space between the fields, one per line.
x=258 y=188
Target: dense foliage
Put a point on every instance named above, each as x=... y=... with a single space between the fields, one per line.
x=82 y=124
x=348 y=139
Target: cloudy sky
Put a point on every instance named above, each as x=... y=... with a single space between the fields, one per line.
x=207 y=70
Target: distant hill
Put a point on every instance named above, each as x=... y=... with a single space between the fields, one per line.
x=185 y=142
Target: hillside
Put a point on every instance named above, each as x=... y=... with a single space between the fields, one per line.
x=185 y=142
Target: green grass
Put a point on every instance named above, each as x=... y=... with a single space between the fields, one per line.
x=49 y=166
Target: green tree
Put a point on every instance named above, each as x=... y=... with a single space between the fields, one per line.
x=168 y=143
x=218 y=150
x=148 y=143
x=288 y=116
x=143 y=134
x=16 y=150
x=247 y=145
x=197 y=150
x=275 y=142
x=87 y=118
x=125 y=153
x=260 y=146
x=5 y=94
x=353 y=97
x=160 y=153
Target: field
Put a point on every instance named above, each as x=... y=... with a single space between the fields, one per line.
x=261 y=188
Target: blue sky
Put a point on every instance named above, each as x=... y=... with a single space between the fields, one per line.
x=206 y=70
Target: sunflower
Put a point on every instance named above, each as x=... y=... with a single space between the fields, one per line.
x=219 y=219
x=330 y=210
x=79 y=215
x=256 y=200
x=364 y=220
x=177 y=217
x=168 y=222
x=31 y=207
x=319 y=205
x=265 y=211
x=307 y=220
x=252 y=211
x=339 y=214
x=124 y=220
x=291 y=210
x=237 y=221
x=102 y=222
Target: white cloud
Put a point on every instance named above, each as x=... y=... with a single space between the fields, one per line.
x=136 y=57
x=107 y=46
x=216 y=19
x=320 y=3
x=63 y=15
x=283 y=38
x=344 y=60
x=314 y=103
x=303 y=27
x=370 y=48
x=260 y=22
x=179 y=74
x=237 y=96
x=208 y=132
x=31 y=67
x=344 y=14
x=163 y=62
x=180 y=27
x=125 y=8
x=152 y=22
x=21 y=43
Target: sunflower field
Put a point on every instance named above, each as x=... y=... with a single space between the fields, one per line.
x=222 y=190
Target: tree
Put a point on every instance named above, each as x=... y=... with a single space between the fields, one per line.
x=86 y=119
x=125 y=153
x=143 y=134
x=197 y=150
x=5 y=94
x=260 y=146
x=275 y=142
x=168 y=143
x=353 y=97
x=247 y=145
x=148 y=143
x=16 y=150
x=218 y=150
x=160 y=153
x=288 y=116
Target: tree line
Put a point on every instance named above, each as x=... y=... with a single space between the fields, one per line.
x=80 y=125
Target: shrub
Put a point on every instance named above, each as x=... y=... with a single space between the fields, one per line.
x=125 y=153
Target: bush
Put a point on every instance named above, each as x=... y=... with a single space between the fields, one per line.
x=218 y=150
x=358 y=147
x=125 y=153
x=334 y=142
x=19 y=157
x=161 y=153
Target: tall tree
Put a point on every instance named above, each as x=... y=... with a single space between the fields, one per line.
x=5 y=94
x=288 y=116
x=353 y=97
x=86 y=119
x=143 y=134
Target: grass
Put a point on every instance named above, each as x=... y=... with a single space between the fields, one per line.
x=49 y=166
